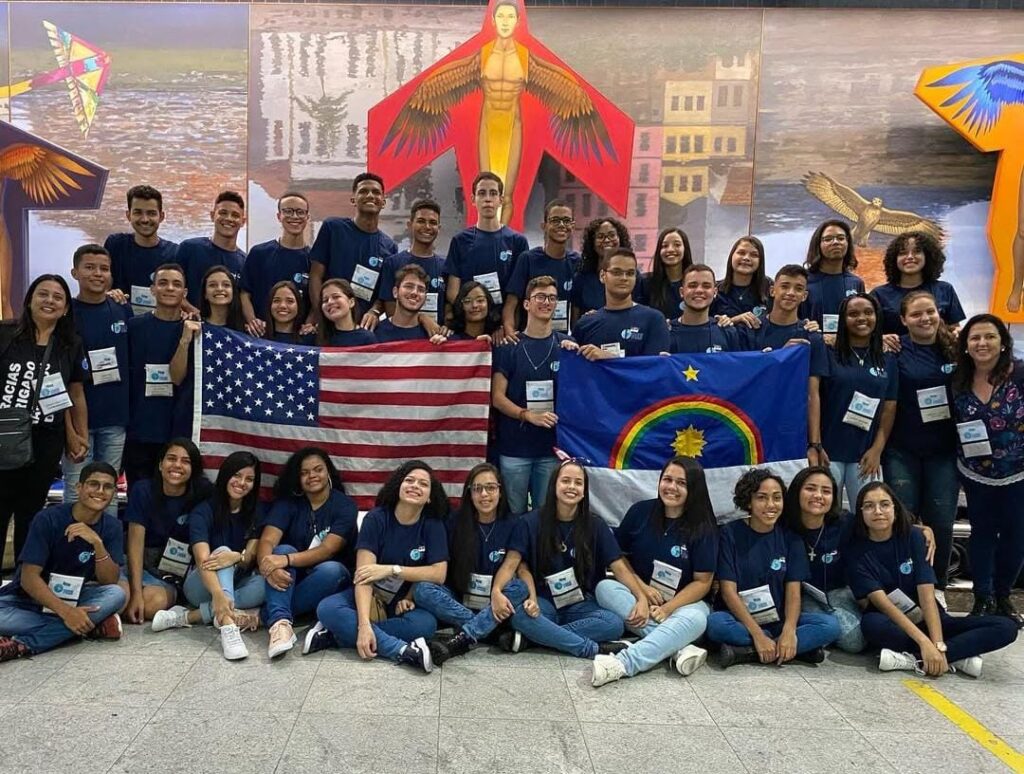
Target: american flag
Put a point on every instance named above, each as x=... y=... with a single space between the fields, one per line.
x=370 y=408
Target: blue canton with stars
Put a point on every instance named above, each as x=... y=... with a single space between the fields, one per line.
x=259 y=380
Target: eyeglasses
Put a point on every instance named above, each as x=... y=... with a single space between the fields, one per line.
x=481 y=488
x=611 y=236
x=98 y=486
x=292 y=212
x=541 y=298
x=884 y=505
x=834 y=238
x=561 y=221
x=620 y=273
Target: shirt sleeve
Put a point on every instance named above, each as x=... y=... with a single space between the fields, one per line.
x=607 y=547
x=520 y=276
x=113 y=541
x=77 y=356
x=819 y=357
x=139 y=504
x=797 y=566
x=343 y=519
x=371 y=533
x=727 y=569
x=280 y=515
x=862 y=573
x=519 y=540
x=320 y=252
x=38 y=544
x=704 y=553
x=249 y=270
x=436 y=538
x=628 y=528
x=955 y=312
x=657 y=336
x=386 y=286
x=923 y=571
x=892 y=383
x=453 y=259
x=503 y=360
x=200 y=520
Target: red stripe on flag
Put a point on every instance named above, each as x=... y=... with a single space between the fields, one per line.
x=477 y=398
x=385 y=373
x=465 y=424
x=341 y=449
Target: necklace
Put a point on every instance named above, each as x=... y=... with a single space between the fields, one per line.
x=537 y=366
x=812 y=553
x=487 y=534
x=860 y=358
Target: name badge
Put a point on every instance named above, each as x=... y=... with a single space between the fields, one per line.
x=364 y=282
x=861 y=411
x=158 y=380
x=491 y=283
x=564 y=588
x=386 y=588
x=176 y=558
x=934 y=404
x=103 y=365
x=560 y=319
x=430 y=305
x=760 y=604
x=665 y=578
x=67 y=588
x=53 y=395
x=540 y=395
x=974 y=438
x=142 y=299
x=816 y=594
x=830 y=323
x=906 y=605
x=318 y=539
x=479 y=595
x=615 y=348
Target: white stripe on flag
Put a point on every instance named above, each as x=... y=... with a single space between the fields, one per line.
x=412 y=386
x=377 y=359
x=323 y=435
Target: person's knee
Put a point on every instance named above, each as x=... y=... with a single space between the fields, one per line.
x=221 y=550
x=516 y=591
x=851 y=640
x=606 y=591
x=114 y=597
x=425 y=591
x=282 y=549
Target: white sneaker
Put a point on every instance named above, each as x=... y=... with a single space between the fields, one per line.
x=969 y=666
x=175 y=618
x=607 y=669
x=282 y=638
x=891 y=661
x=232 y=644
x=689 y=659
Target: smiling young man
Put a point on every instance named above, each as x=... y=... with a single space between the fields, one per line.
x=134 y=256
x=410 y=292
x=353 y=249
x=103 y=327
x=66 y=584
x=284 y=258
x=424 y=226
x=695 y=331
x=198 y=254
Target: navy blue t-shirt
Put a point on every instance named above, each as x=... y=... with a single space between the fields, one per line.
x=922 y=367
x=269 y=263
x=899 y=562
x=890 y=297
x=830 y=544
x=671 y=306
x=48 y=547
x=387 y=331
x=842 y=441
x=131 y=264
x=305 y=339
x=357 y=337
x=171 y=521
x=737 y=300
x=588 y=291
x=708 y=337
x=299 y=523
x=531 y=360
x=198 y=254
x=751 y=559
x=348 y=252
x=537 y=263
x=234 y=534
x=492 y=542
x=407 y=545
x=825 y=292
x=473 y=254
x=603 y=547
x=772 y=336
x=150 y=341
x=638 y=330
x=103 y=326
x=643 y=543
x=433 y=266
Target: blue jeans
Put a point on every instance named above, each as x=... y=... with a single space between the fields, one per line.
x=996 y=514
x=848 y=477
x=660 y=640
x=309 y=586
x=22 y=619
x=441 y=602
x=246 y=589
x=338 y=614
x=526 y=476
x=106 y=444
x=846 y=611
x=965 y=636
x=813 y=630
x=929 y=488
x=575 y=629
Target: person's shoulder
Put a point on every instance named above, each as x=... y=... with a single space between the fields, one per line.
x=194 y=243
x=343 y=502
x=203 y=510
x=54 y=514
x=118 y=241
x=267 y=248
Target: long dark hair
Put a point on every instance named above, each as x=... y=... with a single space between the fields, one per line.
x=464 y=539
x=759 y=283
x=934 y=258
x=658 y=283
x=235 y=320
x=437 y=502
x=491 y=322
x=748 y=484
x=289 y=479
x=791 y=507
x=198 y=487
x=944 y=336
x=814 y=246
x=326 y=328
x=64 y=331
x=903 y=520
x=548 y=543
x=590 y=261
x=698 y=517
x=221 y=500
x=963 y=377
x=844 y=350
x=300 y=310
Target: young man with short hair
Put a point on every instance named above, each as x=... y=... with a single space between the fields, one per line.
x=695 y=331
x=353 y=249
x=284 y=258
x=486 y=252
x=424 y=226
x=134 y=256
x=103 y=326
x=66 y=584
x=406 y=324
x=198 y=254
x=523 y=393
x=622 y=328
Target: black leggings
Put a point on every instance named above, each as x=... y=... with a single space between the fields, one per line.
x=23 y=490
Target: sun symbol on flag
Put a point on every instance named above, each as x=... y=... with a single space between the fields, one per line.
x=689 y=442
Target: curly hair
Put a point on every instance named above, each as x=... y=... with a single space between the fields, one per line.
x=934 y=258
x=591 y=261
x=437 y=502
x=814 y=246
x=748 y=484
x=289 y=479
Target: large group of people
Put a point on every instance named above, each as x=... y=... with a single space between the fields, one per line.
x=907 y=402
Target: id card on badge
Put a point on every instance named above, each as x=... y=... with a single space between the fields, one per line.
x=564 y=588
x=67 y=588
x=103 y=365
x=665 y=578
x=430 y=304
x=386 y=588
x=491 y=283
x=540 y=395
x=830 y=323
x=760 y=604
x=560 y=319
x=158 y=380
x=974 y=438
x=364 y=282
x=906 y=605
x=176 y=558
x=615 y=348
x=861 y=411
x=816 y=594
x=53 y=395
x=479 y=595
x=934 y=404
x=142 y=299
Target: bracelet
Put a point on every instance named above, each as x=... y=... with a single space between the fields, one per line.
x=816 y=446
x=522 y=414
x=289 y=558
x=99 y=559
x=376 y=312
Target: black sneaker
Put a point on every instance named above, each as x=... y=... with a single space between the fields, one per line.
x=443 y=649
x=612 y=647
x=815 y=656
x=728 y=655
x=983 y=606
x=11 y=649
x=512 y=641
x=1003 y=606
x=417 y=654
x=318 y=638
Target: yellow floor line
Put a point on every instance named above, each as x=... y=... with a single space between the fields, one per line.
x=968 y=725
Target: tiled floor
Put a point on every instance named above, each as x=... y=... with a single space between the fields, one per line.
x=168 y=702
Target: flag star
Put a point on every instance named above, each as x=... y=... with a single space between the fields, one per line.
x=248 y=393
x=220 y=396
x=290 y=414
x=280 y=404
x=208 y=352
x=310 y=367
x=278 y=356
x=259 y=385
x=220 y=379
x=219 y=344
x=311 y=399
x=238 y=382
x=310 y=417
x=248 y=344
x=691 y=373
x=268 y=348
x=209 y=369
x=210 y=404
x=230 y=355
x=258 y=401
x=249 y=359
x=291 y=381
x=248 y=375
x=209 y=334
x=290 y=350
x=248 y=409
x=288 y=364
x=269 y=410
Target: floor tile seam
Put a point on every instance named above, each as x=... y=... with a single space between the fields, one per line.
x=132 y=740
x=298 y=714
x=576 y=714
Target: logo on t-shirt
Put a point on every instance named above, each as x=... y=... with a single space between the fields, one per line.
x=759 y=312
x=567 y=284
x=879 y=372
x=119 y=326
x=948 y=368
x=85 y=556
x=495 y=556
x=632 y=334
x=504 y=255
x=554 y=366
x=907 y=567
x=850 y=292
x=374 y=261
x=299 y=278
x=418 y=553
x=436 y=282
x=679 y=551
x=182 y=519
x=714 y=348
x=778 y=563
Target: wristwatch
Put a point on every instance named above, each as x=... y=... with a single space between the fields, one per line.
x=396 y=570
x=940 y=646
